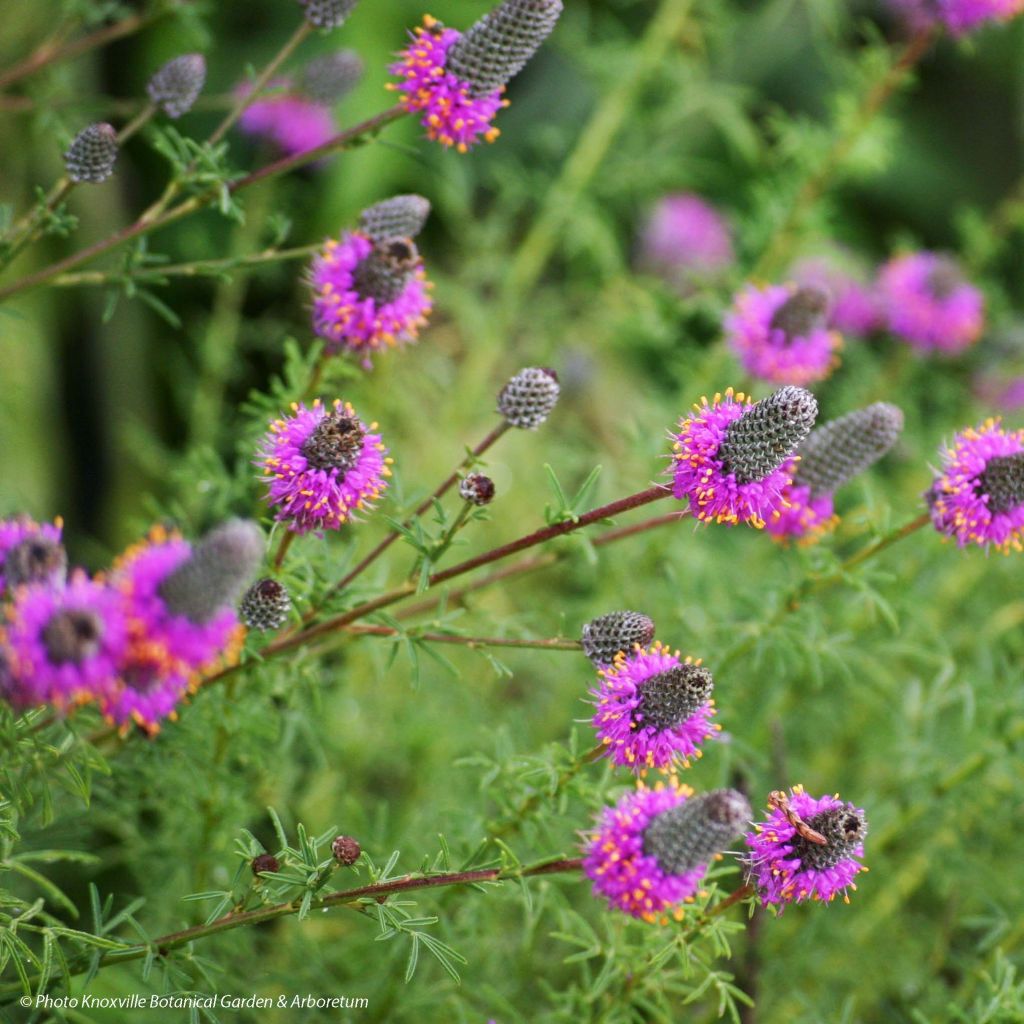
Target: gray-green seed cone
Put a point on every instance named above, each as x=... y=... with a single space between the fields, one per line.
x=92 y=154
x=217 y=573
x=844 y=829
x=265 y=605
x=335 y=443
x=688 y=836
x=604 y=637
x=839 y=450
x=384 y=274
x=397 y=217
x=763 y=438
x=327 y=13
x=177 y=85
x=1003 y=482
x=37 y=559
x=804 y=312
x=669 y=698
x=499 y=45
x=73 y=635
x=527 y=399
x=326 y=79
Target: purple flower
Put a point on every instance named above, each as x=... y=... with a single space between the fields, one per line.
x=978 y=497
x=787 y=867
x=628 y=877
x=803 y=516
x=996 y=389
x=452 y=115
x=368 y=295
x=855 y=308
x=151 y=684
x=64 y=646
x=322 y=467
x=928 y=303
x=685 y=239
x=729 y=457
x=653 y=710
x=16 y=533
x=959 y=16
x=780 y=333
x=293 y=123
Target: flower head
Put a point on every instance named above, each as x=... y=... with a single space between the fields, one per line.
x=477 y=489
x=685 y=239
x=780 y=333
x=729 y=455
x=928 y=303
x=959 y=16
x=617 y=632
x=151 y=684
x=854 y=307
x=653 y=710
x=328 y=78
x=265 y=605
x=369 y=295
x=177 y=85
x=322 y=466
x=528 y=398
x=92 y=154
x=802 y=516
x=978 y=496
x=31 y=552
x=789 y=864
x=291 y=121
x=327 y=13
x=650 y=852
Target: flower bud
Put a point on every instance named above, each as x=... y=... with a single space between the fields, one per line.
x=607 y=635
x=346 y=850
x=177 y=85
x=326 y=79
x=265 y=862
x=265 y=605
x=527 y=399
x=327 y=13
x=689 y=835
x=398 y=217
x=92 y=154
x=477 y=488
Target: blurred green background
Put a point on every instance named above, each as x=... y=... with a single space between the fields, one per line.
x=903 y=692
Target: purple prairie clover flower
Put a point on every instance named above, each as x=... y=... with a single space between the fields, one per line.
x=369 y=295
x=803 y=516
x=855 y=308
x=289 y=120
x=653 y=710
x=650 y=851
x=151 y=684
x=31 y=552
x=787 y=867
x=729 y=455
x=978 y=496
x=64 y=646
x=780 y=333
x=928 y=303
x=959 y=16
x=323 y=466
x=684 y=240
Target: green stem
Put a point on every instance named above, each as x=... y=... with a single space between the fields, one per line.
x=553 y=644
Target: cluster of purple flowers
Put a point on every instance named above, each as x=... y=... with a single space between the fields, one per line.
x=135 y=640
x=958 y=16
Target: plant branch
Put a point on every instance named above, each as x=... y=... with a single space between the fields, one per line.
x=553 y=644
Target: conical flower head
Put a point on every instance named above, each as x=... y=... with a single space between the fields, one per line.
x=385 y=273
x=1002 y=480
x=177 y=85
x=476 y=489
x=38 y=558
x=689 y=835
x=839 y=450
x=398 y=217
x=608 y=635
x=499 y=45
x=765 y=436
x=265 y=605
x=216 y=573
x=527 y=399
x=92 y=154
x=328 y=78
x=327 y=13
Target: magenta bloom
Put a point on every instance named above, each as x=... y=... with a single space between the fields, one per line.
x=701 y=476
x=322 y=467
x=64 y=646
x=928 y=304
x=978 y=497
x=685 y=239
x=347 y=317
x=653 y=710
x=959 y=16
x=628 y=878
x=802 y=516
x=289 y=120
x=14 y=531
x=855 y=308
x=774 y=348
x=786 y=867
x=151 y=685
x=451 y=114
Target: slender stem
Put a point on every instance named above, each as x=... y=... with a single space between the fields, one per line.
x=818 y=181
x=282 y=549
x=143 y=226
x=390 y=538
x=137 y=123
x=439 y=549
x=554 y=644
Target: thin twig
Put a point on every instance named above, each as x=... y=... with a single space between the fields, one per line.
x=553 y=644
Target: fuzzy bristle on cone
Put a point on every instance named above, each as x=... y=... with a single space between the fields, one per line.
x=397 y=217
x=837 y=451
x=383 y=275
x=1003 y=482
x=843 y=828
x=477 y=488
x=265 y=605
x=498 y=46
x=327 y=13
x=604 y=637
x=765 y=436
x=92 y=154
x=527 y=399
x=326 y=79
x=216 y=573
x=177 y=85
x=691 y=834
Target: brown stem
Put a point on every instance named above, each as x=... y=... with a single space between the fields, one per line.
x=552 y=644
x=282 y=549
